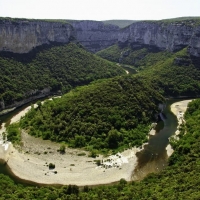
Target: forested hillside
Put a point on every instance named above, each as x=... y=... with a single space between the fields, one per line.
x=108 y=114
x=60 y=68
x=133 y=56
x=175 y=74
x=180 y=180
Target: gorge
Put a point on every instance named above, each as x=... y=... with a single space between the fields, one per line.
x=22 y=35
x=104 y=111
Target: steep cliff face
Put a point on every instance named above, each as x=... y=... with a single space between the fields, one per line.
x=94 y=35
x=194 y=47
x=22 y=36
x=172 y=37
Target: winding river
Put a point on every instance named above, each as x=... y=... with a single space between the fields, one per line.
x=152 y=158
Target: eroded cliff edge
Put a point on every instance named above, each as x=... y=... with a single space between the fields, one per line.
x=166 y=36
x=22 y=35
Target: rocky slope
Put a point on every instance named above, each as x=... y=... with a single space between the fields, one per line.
x=22 y=35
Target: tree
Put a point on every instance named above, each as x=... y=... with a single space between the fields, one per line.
x=113 y=138
x=79 y=141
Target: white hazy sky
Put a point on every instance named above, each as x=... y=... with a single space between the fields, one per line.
x=99 y=9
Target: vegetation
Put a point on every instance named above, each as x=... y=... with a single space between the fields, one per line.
x=25 y=20
x=184 y=21
x=107 y=114
x=13 y=133
x=111 y=53
x=62 y=148
x=180 y=180
x=174 y=74
x=131 y=56
x=120 y=23
x=111 y=114
x=51 y=166
x=60 y=68
x=189 y=21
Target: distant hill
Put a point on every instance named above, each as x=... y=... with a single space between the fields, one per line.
x=120 y=23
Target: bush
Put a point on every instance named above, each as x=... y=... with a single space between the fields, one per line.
x=62 y=148
x=51 y=166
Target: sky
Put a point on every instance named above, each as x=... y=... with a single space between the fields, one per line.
x=99 y=9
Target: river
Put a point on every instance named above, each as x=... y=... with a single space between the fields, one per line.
x=4 y=169
x=152 y=159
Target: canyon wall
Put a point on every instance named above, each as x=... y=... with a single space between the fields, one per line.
x=94 y=35
x=21 y=36
x=165 y=36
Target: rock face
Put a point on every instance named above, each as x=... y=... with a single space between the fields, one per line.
x=21 y=36
x=94 y=35
x=165 y=36
x=194 y=47
x=31 y=96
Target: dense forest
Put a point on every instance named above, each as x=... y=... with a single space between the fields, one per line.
x=180 y=180
x=174 y=74
x=58 y=67
x=107 y=114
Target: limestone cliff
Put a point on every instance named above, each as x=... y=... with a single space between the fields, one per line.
x=166 y=36
x=21 y=35
x=94 y=35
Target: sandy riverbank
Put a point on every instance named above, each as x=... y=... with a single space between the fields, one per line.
x=30 y=162
x=178 y=109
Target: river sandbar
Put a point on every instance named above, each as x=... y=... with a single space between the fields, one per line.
x=178 y=109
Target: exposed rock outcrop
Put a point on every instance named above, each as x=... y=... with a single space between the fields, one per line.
x=94 y=35
x=30 y=96
x=21 y=36
x=166 y=36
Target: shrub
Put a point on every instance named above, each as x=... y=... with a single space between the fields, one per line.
x=62 y=148
x=51 y=166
